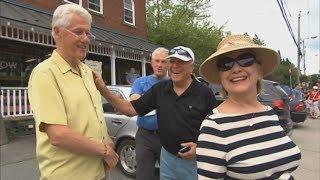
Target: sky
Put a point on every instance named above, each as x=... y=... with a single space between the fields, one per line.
x=263 y=17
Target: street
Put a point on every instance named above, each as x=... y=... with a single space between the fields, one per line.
x=18 y=157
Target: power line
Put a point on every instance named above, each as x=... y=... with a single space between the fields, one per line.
x=291 y=18
x=284 y=15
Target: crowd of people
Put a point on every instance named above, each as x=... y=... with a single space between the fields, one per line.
x=179 y=120
x=310 y=96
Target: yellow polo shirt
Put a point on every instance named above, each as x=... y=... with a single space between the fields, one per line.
x=59 y=95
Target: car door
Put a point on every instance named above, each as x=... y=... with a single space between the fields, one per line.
x=114 y=120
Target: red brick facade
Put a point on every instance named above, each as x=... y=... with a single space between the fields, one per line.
x=113 y=14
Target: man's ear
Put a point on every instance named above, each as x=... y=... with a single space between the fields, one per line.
x=57 y=32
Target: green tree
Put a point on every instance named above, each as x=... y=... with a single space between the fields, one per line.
x=313 y=79
x=256 y=39
x=183 y=22
x=283 y=71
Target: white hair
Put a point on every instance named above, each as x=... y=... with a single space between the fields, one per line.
x=159 y=50
x=63 y=14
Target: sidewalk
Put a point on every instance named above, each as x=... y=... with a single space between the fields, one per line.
x=307 y=137
x=18 y=159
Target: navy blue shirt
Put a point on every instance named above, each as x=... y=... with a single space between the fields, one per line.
x=140 y=86
x=179 y=117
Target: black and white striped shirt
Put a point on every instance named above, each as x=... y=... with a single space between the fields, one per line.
x=248 y=146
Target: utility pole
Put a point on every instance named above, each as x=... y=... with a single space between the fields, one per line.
x=304 y=57
x=299 y=50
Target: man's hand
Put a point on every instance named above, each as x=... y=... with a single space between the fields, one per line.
x=98 y=81
x=110 y=157
x=191 y=154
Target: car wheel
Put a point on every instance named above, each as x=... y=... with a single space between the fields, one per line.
x=127 y=157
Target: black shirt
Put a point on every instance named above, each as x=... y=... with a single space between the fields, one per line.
x=179 y=117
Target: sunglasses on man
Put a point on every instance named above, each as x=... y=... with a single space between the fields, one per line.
x=179 y=51
x=243 y=60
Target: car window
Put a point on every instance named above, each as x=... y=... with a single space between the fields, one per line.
x=272 y=91
x=107 y=107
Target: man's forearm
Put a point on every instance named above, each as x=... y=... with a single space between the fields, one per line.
x=121 y=105
x=68 y=139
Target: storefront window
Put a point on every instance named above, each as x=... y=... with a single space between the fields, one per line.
x=127 y=71
x=15 y=69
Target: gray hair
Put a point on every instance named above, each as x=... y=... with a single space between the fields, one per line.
x=159 y=50
x=63 y=14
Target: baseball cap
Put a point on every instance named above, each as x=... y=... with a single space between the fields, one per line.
x=182 y=53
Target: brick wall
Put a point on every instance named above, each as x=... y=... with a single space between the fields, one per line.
x=113 y=14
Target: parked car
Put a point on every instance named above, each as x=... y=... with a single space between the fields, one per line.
x=298 y=110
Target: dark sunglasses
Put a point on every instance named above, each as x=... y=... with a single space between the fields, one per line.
x=180 y=51
x=243 y=60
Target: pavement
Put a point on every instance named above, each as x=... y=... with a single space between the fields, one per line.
x=307 y=137
x=18 y=160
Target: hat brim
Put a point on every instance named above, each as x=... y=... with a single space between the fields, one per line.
x=268 y=58
x=181 y=57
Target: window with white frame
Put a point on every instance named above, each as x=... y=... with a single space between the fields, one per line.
x=129 y=12
x=74 y=1
x=96 y=6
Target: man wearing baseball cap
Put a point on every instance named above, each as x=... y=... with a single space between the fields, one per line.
x=181 y=104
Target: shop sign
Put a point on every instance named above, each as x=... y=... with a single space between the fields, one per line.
x=6 y=64
x=94 y=65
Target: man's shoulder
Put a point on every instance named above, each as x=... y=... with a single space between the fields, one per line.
x=200 y=86
x=44 y=66
x=85 y=67
x=143 y=78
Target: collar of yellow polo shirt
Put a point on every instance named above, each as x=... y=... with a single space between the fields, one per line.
x=60 y=95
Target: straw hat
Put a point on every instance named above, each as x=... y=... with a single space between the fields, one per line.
x=269 y=58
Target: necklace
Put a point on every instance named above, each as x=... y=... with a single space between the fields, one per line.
x=251 y=115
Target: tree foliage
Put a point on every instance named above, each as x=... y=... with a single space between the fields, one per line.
x=183 y=22
x=256 y=39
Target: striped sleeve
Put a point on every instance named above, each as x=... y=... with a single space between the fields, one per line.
x=211 y=152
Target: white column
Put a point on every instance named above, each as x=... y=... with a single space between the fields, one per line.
x=113 y=67
x=143 y=66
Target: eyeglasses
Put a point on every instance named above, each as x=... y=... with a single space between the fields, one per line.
x=243 y=60
x=180 y=51
x=82 y=34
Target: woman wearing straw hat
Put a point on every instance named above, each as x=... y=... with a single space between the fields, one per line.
x=243 y=139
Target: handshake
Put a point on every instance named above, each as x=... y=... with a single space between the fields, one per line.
x=110 y=157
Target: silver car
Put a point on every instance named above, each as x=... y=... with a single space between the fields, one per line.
x=122 y=129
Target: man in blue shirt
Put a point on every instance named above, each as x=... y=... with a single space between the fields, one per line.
x=297 y=93
x=148 y=145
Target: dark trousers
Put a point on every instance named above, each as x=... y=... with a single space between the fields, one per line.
x=148 y=149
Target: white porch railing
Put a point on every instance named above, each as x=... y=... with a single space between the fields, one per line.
x=14 y=102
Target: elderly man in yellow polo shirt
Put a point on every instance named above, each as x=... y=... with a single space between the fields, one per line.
x=72 y=139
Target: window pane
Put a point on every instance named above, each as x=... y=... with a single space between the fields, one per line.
x=128 y=4
x=95 y=1
x=128 y=19
x=128 y=13
x=94 y=7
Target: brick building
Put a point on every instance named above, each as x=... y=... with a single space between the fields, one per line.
x=118 y=25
